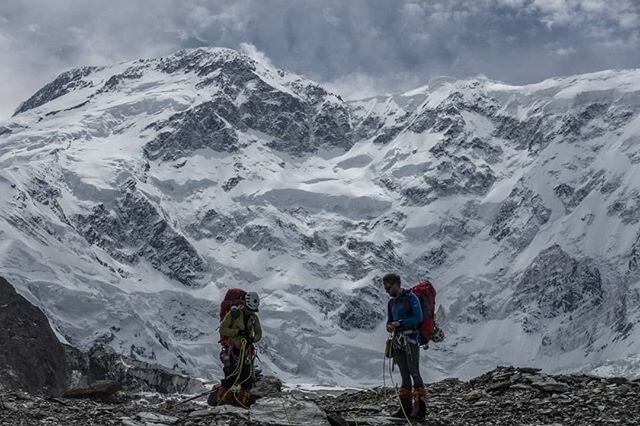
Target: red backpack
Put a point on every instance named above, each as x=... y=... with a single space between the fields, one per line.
x=234 y=297
x=427 y=295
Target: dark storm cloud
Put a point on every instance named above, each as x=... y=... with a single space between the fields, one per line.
x=359 y=46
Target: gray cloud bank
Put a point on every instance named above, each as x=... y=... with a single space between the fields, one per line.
x=359 y=47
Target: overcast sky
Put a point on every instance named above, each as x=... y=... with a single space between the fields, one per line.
x=359 y=47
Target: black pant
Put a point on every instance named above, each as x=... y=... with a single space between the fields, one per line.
x=407 y=356
x=239 y=375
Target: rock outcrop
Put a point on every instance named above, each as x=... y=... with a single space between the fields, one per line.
x=101 y=364
x=31 y=357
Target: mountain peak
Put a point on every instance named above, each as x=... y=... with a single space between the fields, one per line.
x=204 y=60
x=203 y=65
x=143 y=190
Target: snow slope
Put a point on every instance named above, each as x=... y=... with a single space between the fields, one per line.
x=135 y=195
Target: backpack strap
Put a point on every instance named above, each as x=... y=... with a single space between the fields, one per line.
x=405 y=298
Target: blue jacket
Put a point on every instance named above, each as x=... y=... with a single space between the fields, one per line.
x=405 y=309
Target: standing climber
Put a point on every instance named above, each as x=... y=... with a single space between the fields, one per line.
x=240 y=329
x=404 y=315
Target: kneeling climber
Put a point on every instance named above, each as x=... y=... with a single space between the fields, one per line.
x=239 y=330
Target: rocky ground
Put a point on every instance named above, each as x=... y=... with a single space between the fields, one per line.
x=505 y=396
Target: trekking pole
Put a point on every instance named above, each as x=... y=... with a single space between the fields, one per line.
x=171 y=405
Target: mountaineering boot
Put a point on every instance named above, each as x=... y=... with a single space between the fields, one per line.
x=243 y=398
x=221 y=397
x=405 y=403
x=212 y=399
x=419 y=403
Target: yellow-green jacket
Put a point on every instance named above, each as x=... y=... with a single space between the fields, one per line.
x=230 y=327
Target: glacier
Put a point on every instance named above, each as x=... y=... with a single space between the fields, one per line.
x=134 y=195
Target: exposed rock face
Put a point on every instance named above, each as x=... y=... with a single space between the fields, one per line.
x=115 y=81
x=572 y=197
x=627 y=207
x=214 y=224
x=134 y=229
x=259 y=237
x=63 y=84
x=299 y=121
x=558 y=284
x=353 y=311
x=31 y=357
x=103 y=365
x=634 y=256
x=532 y=134
x=200 y=127
x=520 y=217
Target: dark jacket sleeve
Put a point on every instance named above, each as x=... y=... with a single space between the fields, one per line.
x=389 y=316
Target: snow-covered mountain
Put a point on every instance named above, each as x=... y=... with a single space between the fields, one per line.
x=134 y=195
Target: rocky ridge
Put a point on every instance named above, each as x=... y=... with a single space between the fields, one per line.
x=504 y=396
